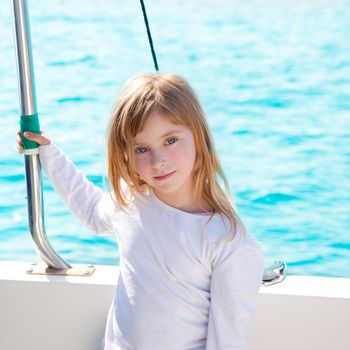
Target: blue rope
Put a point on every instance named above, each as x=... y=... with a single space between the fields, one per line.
x=149 y=36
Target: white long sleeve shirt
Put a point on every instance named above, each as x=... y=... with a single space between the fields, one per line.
x=181 y=286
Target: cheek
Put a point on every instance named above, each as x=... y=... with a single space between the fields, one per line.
x=185 y=156
x=141 y=165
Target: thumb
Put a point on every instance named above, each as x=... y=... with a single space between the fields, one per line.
x=40 y=139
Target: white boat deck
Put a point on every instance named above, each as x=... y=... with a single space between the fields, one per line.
x=67 y=312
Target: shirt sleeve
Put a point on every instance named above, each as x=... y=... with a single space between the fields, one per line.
x=236 y=279
x=88 y=202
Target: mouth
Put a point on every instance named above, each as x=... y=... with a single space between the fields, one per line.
x=166 y=176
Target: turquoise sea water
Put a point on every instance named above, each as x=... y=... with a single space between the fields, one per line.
x=273 y=78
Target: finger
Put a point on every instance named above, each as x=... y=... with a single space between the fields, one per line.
x=20 y=149
x=34 y=137
x=41 y=139
x=31 y=135
x=19 y=141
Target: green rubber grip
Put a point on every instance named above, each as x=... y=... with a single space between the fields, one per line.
x=29 y=123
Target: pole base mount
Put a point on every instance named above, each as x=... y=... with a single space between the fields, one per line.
x=43 y=269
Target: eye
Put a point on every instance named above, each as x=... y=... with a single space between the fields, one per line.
x=171 y=140
x=140 y=150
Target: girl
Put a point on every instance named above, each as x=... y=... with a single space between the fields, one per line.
x=189 y=270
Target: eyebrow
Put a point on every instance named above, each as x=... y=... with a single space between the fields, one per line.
x=170 y=132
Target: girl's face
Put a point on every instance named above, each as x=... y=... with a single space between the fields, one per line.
x=164 y=156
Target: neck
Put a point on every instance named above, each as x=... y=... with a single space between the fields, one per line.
x=184 y=199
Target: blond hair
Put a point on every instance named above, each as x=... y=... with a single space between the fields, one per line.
x=172 y=95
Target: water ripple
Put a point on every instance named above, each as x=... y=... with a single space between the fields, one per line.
x=83 y=59
x=74 y=99
x=275 y=198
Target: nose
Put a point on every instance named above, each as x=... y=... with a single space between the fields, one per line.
x=158 y=159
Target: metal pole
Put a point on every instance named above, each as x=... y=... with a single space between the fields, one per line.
x=28 y=109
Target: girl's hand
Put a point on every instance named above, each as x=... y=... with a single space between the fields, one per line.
x=41 y=139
